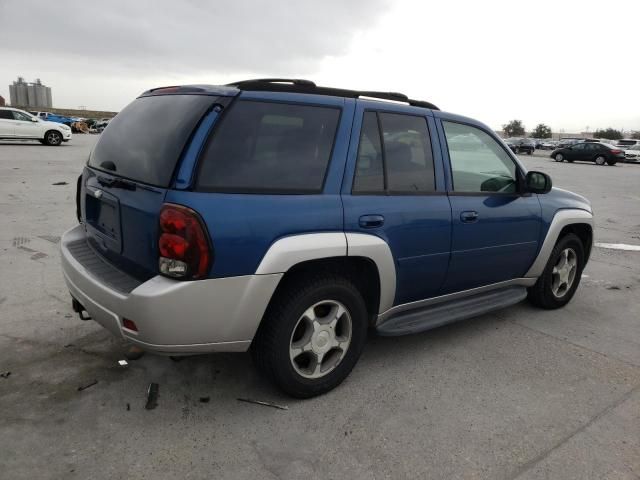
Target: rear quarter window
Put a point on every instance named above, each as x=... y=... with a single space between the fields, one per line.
x=267 y=147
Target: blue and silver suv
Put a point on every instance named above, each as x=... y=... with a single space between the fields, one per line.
x=289 y=219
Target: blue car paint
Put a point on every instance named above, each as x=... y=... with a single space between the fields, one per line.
x=138 y=252
x=503 y=242
x=416 y=227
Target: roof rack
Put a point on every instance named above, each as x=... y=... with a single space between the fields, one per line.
x=294 y=85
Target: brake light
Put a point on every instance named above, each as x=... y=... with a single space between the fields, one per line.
x=183 y=243
x=616 y=152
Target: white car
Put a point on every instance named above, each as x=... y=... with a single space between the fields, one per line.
x=18 y=124
x=632 y=154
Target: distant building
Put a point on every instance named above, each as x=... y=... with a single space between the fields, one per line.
x=31 y=95
x=2 y=102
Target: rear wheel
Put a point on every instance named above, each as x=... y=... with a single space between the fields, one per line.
x=312 y=335
x=561 y=277
x=559 y=157
x=529 y=152
x=52 y=138
x=600 y=160
x=611 y=162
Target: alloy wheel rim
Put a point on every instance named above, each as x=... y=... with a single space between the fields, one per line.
x=320 y=339
x=600 y=160
x=564 y=272
x=559 y=157
x=53 y=138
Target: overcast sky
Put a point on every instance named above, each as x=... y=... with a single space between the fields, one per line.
x=570 y=64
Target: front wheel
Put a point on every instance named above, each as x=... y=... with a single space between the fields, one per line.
x=312 y=335
x=600 y=160
x=52 y=138
x=559 y=157
x=561 y=277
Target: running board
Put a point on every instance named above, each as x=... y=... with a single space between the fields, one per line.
x=432 y=316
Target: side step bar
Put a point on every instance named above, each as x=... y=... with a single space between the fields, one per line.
x=432 y=316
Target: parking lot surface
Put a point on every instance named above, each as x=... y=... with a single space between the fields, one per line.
x=521 y=393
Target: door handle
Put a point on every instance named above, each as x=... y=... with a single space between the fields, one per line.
x=469 y=216
x=371 y=221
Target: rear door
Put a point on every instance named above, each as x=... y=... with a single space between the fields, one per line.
x=496 y=229
x=394 y=189
x=129 y=172
x=7 y=124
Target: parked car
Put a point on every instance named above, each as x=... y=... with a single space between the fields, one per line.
x=288 y=219
x=626 y=143
x=549 y=145
x=54 y=117
x=597 y=152
x=632 y=154
x=18 y=124
x=518 y=145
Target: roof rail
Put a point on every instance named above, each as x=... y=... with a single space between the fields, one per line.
x=293 y=85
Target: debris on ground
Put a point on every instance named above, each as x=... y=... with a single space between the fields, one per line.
x=60 y=183
x=205 y=399
x=152 y=396
x=123 y=363
x=69 y=345
x=84 y=387
x=5 y=374
x=613 y=287
x=128 y=407
x=266 y=404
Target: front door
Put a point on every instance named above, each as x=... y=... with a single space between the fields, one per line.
x=395 y=191
x=496 y=228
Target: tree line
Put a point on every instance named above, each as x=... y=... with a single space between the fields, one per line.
x=515 y=128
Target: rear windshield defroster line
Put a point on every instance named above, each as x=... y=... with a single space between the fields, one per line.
x=145 y=140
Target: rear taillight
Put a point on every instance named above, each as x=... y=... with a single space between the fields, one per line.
x=183 y=243
x=616 y=152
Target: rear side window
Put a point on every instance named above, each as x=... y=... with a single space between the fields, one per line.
x=397 y=162
x=269 y=147
x=144 y=141
x=6 y=115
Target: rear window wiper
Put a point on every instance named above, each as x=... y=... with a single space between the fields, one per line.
x=116 y=183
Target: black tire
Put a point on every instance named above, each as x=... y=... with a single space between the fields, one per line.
x=558 y=157
x=611 y=162
x=53 y=138
x=600 y=160
x=541 y=294
x=270 y=347
x=530 y=152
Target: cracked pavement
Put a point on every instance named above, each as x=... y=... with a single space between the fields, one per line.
x=518 y=394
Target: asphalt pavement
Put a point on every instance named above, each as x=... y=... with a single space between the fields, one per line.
x=518 y=394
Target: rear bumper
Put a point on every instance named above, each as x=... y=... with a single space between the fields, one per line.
x=172 y=317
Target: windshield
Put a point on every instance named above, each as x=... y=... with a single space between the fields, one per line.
x=144 y=141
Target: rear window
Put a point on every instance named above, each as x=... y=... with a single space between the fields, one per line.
x=269 y=147
x=145 y=140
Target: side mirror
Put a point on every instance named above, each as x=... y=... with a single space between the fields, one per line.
x=538 y=182
x=34 y=119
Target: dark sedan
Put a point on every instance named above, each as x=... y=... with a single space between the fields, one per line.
x=519 y=145
x=600 y=153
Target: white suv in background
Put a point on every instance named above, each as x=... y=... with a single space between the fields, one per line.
x=18 y=124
